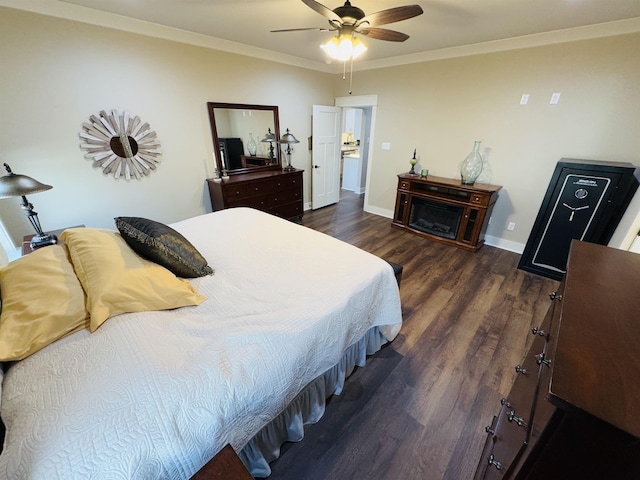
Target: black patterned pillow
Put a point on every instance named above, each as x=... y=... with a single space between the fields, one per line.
x=163 y=245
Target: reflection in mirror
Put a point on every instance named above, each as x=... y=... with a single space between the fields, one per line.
x=243 y=136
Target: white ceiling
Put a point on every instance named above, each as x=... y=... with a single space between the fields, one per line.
x=444 y=23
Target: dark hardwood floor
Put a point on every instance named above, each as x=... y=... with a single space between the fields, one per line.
x=419 y=408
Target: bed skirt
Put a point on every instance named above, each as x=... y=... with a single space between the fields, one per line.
x=307 y=407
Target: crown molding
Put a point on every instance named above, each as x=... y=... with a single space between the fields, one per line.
x=68 y=11
x=56 y=8
x=599 y=30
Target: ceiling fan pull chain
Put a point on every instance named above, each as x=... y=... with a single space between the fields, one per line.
x=351 y=76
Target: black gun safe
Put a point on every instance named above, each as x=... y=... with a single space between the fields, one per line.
x=585 y=200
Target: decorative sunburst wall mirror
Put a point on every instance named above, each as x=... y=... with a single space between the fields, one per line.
x=120 y=144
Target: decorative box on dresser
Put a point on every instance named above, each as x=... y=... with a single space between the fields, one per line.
x=275 y=191
x=572 y=412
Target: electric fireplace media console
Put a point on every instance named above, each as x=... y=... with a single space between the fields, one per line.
x=445 y=210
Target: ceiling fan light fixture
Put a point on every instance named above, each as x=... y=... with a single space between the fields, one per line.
x=344 y=47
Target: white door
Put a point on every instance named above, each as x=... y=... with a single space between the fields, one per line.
x=326 y=134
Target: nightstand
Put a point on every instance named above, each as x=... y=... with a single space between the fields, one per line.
x=26 y=240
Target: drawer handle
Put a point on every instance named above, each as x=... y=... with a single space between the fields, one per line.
x=494 y=462
x=521 y=370
x=537 y=331
x=518 y=420
x=555 y=296
x=490 y=430
x=505 y=403
x=541 y=360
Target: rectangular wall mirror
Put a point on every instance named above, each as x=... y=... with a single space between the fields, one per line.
x=244 y=137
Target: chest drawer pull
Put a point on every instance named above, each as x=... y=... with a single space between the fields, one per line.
x=490 y=430
x=540 y=360
x=494 y=462
x=518 y=420
x=555 y=296
x=521 y=370
x=505 y=403
x=537 y=331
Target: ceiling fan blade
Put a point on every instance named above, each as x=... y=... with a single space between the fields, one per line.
x=322 y=10
x=319 y=29
x=383 y=34
x=390 y=15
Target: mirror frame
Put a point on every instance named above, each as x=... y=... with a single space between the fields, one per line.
x=211 y=106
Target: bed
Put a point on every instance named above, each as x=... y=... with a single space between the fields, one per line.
x=287 y=315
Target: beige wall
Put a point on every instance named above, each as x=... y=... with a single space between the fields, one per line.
x=56 y=73
x=441 y=107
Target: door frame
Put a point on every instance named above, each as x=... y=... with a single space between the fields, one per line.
x=362 y=101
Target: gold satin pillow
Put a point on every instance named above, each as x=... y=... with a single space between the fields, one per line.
x=117 y=280
x=42 y=301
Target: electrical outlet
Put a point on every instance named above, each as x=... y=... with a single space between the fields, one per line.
x=524 y=99
x=386 y=146
x=511 y=227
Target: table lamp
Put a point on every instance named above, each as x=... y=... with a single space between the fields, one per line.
x=270 y=138
x=13 y=185
x=287 y=139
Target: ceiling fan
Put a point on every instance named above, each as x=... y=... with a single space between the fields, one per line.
x=349 y=19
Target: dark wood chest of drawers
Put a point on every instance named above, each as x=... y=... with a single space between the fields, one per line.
x=277 y=192
x=572 y=410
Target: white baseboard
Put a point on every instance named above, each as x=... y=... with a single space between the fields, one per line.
x=378 y=211
x=504 y=244
x=489 y=240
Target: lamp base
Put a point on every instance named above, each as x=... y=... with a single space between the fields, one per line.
x=289 y=168
x=43 y=240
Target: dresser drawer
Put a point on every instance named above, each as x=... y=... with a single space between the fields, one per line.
x=236 y=191
x=264 y=187
x=478 y=199
x=285 y=196
x=504 y=446
x=295 y=182
x=288 y=210
x=483 y=472
x=259 y=202
x=404 y=184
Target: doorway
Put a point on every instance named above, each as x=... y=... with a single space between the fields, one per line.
x=355 y=173
x=368 y=104
x=356 y=133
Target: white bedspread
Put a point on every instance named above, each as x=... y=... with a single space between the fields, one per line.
x=156 y=394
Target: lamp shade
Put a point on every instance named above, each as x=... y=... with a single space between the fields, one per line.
x=14 y=185
x=269 y=137
x=288 y=137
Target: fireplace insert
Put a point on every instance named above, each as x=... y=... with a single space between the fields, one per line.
x=435 y=218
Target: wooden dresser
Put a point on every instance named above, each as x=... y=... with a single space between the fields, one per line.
x=444 y=210
x=277 y=191
x=572 y=412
